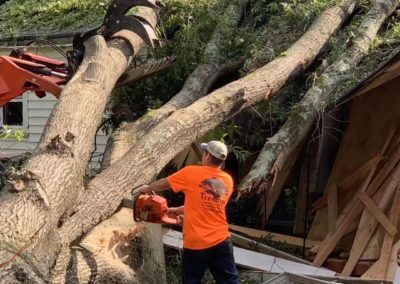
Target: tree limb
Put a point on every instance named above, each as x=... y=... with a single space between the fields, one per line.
x=155 y=149
x=324 y=93
x=196 y=86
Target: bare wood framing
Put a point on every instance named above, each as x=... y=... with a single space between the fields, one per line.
x=377 y=213
x=383 y=262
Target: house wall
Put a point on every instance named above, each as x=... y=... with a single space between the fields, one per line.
x=36 y=112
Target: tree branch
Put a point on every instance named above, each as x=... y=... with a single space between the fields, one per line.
x=154 y=150
x=304 y=114
x=196 y=86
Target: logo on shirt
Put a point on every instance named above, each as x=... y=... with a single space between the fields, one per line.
x=214 y=187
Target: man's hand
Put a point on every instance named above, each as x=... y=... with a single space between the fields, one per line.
x=143 y=189
x=158 y=185
x=176 y=210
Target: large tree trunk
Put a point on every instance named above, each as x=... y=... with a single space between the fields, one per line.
x=324 y=92
x=54 y=178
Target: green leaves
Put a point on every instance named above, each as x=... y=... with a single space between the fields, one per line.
x=12 y=133
x=49 y=15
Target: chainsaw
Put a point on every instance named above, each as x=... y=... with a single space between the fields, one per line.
x=150 y=208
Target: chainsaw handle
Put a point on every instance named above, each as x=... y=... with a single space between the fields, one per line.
x=136 y=191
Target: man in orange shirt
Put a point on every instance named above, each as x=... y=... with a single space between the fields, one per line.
x=206 y=239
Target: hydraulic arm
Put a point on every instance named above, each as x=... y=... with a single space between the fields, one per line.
x=23 y=71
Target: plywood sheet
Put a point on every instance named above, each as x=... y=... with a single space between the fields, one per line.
x=254 y=260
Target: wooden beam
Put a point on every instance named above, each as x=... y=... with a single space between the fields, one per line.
x=386 y=250
x=371 y=273
x=263 y=248
x=355 y=207
x=332 y=195
x=254 y=260
x=360 y=172
x=301 y=205
x=366 y=228
x=347 y=182
x=382 y=219
x=294 y=241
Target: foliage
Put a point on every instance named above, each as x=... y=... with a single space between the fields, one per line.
x=385 y=45
x=49 y=15
x=186 y=26
x=11 y=167
x=12 y=133
x=275 y=25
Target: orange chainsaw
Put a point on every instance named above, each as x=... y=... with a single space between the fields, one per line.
x=150 y=208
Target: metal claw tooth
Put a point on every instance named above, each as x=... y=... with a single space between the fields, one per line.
x=129 y=23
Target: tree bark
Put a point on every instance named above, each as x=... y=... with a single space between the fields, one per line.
x=323 y=94
x=155 y=149
x=54 y=177
x=197 y=85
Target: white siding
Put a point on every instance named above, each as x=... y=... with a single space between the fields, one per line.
x=38 y=111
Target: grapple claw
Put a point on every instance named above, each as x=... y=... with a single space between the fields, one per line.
x=116 y=20
x=131 y=23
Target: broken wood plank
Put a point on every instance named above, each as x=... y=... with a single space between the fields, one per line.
x=377 y=213
x=295 y=241
x=350 y=180
x=360 y=172
x=294 y=278
x=263 y=248
x=332 y=195
x=383 y=261
x=346 y=219
x=373 y=248
x=262 y=276
x=366 y=229
x=354 y=208
x=254 y=260
x=301 y=204
x=371 y=273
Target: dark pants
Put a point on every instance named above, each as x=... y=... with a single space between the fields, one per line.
x=219 y=259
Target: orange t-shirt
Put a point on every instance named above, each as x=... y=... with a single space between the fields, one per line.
x=207 y=191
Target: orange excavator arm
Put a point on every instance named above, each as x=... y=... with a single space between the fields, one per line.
x=30 y=72
x=24 y=71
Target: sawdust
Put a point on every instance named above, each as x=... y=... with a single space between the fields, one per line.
x=111 y=244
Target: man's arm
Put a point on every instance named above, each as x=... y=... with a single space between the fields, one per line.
x=176 y=210
x=158 y=185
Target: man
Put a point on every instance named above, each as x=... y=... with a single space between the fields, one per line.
x=206 y=239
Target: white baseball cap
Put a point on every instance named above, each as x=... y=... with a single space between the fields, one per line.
x=216 y=149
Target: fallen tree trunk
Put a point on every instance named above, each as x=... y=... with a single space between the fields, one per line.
x=323 y=94
x=155 y=149
x=54 y=175
x=197 y=85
